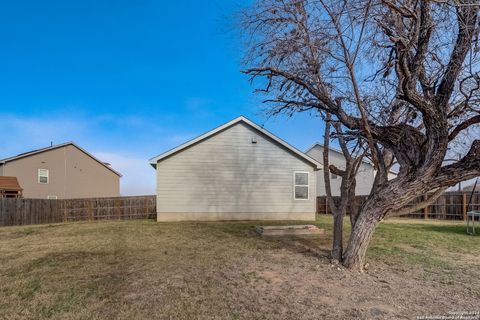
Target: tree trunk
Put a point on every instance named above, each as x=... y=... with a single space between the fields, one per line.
x=353 y=215
x=375 y=208
x=360 y=237
x=337 y=249
x=353 y=210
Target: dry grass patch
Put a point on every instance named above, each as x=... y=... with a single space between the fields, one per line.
x=143 y=269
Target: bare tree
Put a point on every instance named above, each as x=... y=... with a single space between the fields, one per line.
x=402 y=76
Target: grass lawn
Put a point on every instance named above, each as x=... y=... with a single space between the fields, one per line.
x=147 y=270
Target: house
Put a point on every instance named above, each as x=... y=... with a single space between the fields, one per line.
x=471 y=187
x=238 y=171
x=60 y=172
x=10 y=188
x=365 y=175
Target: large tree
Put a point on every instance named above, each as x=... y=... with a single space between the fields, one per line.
x=400 y=76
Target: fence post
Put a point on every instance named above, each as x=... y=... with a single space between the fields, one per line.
x=425 y=210
x=464 y=206
x=90 y=210
x=64 y=211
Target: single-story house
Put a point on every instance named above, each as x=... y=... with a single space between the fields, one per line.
x=365 y=175
x=470 y=188
x=238 y=171
x=63 y=171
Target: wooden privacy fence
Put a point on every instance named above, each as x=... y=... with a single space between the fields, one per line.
x=449 y=206
x=14 y=212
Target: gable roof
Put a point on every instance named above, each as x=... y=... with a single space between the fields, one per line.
x=9 y=184
x=241 y=119
x=366 y=161
x=34 y=152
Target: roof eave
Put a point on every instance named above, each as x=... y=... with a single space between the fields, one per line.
x=27 y=154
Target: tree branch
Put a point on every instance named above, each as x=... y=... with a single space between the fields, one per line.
x=462 y=126
x=418 y=206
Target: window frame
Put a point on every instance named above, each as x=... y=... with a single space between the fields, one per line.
x=47 y=176
x=301 y=185
x=52 y=197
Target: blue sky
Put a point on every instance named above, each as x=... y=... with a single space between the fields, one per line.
x=126 y=80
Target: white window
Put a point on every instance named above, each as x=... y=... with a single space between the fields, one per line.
x=42 y=175
x=52 y=197
x=300 y=185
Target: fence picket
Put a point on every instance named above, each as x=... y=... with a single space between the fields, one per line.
x=22 y=211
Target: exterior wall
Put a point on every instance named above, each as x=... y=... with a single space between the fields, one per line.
x=72 y=174
x=1 y=170
x=365 y=175
x=227 y=177
x=391 y=175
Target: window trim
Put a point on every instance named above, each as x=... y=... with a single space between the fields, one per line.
x=52 y=198
x=301 y=185
x=47 y=176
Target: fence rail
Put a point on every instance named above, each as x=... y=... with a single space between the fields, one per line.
x=14 y=212
x=449 y=206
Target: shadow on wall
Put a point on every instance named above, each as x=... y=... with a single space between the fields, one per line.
x=240 y=185
x=245 y=177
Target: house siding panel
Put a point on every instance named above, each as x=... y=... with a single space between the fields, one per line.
x=228 y=177
x=365 y=175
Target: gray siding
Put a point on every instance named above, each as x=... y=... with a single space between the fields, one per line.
x=228 y=177
x=365 y=175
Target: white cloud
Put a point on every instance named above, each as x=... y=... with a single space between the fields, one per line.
x=138 y=176
x=31 y=133
x=102 y=135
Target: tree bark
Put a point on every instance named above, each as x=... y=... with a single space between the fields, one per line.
x=360 y=237
x=352 y=204
x=337 y=249
x=353 y=214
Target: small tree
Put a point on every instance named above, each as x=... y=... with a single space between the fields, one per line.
x=402 y=76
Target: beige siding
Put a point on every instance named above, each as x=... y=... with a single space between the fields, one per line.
x=365 y=175
x=72 y=174
x=88 y=178
x=228 y=177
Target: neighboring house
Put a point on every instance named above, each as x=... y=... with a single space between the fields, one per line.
x=61 y=172
x=10 y=188
x=238 y=171
x=470 y=188
x=365 y=176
